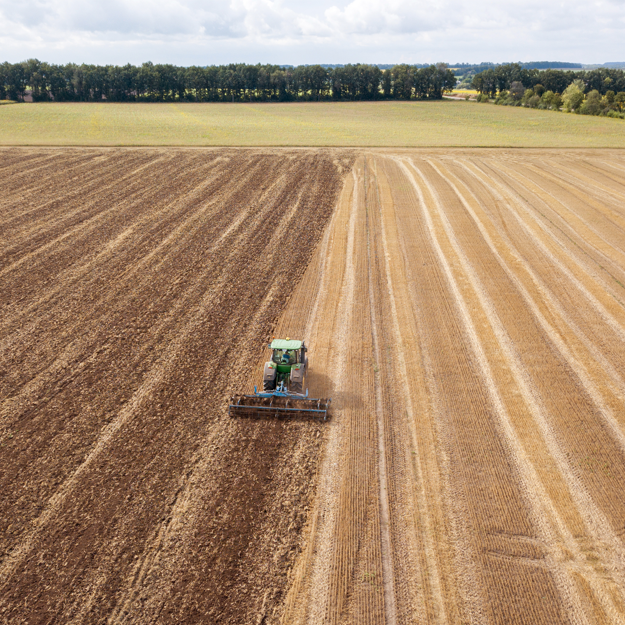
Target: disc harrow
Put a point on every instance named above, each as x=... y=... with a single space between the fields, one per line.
x=278 y=405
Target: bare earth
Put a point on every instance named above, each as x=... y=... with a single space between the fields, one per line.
x=464 y=309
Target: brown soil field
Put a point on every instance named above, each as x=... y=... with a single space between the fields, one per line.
x=465 y=310
x=137 y=291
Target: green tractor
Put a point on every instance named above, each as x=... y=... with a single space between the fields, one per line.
x=283 y=387
x=287 y=367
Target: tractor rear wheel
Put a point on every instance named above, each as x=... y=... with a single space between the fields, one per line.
x=296 y=386
x=269 y=385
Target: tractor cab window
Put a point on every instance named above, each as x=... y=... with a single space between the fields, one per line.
x=284 y=356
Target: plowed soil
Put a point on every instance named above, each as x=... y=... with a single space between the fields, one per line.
x=137 y=291
x=465 y=310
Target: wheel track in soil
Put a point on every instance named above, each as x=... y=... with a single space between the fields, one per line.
x=604 y=175
x=539 y=411
x=589 y=198
x=615 y=544
x=579 y=273
x=601 y=338
x=580 y=222
x=562 y=236
x=388 y=581
x=551 y=307
x=604 y=187
x=515 y=513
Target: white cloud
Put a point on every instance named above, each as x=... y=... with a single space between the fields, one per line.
x=393 y=17
x=294 y=31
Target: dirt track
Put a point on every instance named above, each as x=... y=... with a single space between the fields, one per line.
x=465 y=311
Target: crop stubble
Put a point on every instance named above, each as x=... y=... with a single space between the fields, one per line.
x=497 y=282
x=463 y=309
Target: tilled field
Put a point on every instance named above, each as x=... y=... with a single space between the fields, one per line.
x=136 y=289
x=464 y=310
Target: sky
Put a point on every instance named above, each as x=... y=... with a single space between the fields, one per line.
x=207 y=32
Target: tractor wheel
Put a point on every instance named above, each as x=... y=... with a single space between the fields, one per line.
x=269 y=385
x=296 y=386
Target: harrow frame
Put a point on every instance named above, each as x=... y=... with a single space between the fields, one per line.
x=276 y=404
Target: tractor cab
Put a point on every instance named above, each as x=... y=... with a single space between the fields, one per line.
x=285 y=357
x=286 y=353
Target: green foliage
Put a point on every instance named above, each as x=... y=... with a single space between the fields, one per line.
x=225 y=83
x=387 y=84
x=503 y=96
x=550 y=101
x=495 y=79
x=546 y=100
x=556 y=102
x=515 y=85
x=572 y=97
x=592 y=105
x=521 y=93
x=528 y=94
x=517 y=91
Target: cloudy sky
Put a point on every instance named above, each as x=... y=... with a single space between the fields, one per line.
x=204 y=32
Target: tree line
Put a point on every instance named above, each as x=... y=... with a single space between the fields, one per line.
x=500 y=78
x=220 y=83
x=597 y=92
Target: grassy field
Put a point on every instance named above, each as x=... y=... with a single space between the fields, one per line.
x=380 y=124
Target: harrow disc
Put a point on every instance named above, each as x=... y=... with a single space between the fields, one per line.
x=278 y=406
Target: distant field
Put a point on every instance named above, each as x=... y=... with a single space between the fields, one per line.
x=381 y=124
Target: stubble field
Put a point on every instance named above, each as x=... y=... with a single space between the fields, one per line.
x=463 y=309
